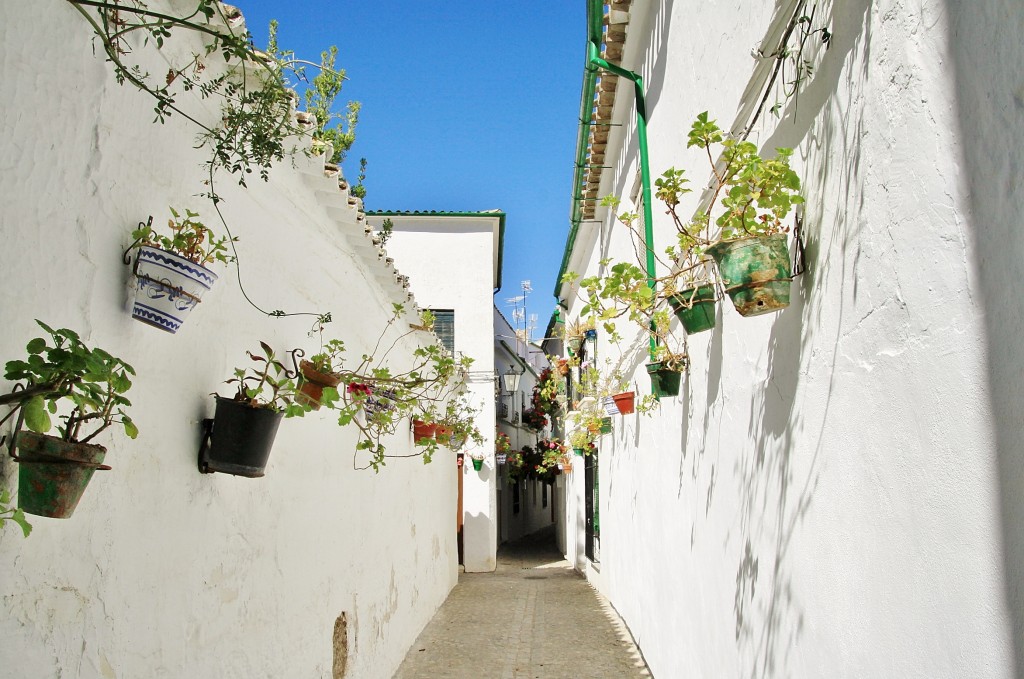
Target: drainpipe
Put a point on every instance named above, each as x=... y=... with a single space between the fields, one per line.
x=595 y=64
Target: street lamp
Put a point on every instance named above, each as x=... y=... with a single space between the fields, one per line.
x=512 y=381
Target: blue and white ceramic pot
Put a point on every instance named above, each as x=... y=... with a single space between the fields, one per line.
x=169 y=287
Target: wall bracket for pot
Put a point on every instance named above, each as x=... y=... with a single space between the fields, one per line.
x=204 y=446
x=126 y=257
x=799 y=254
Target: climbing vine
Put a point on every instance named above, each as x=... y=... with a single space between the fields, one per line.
x=251 y=88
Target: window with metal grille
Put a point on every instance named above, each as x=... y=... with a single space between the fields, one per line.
x=444 y=327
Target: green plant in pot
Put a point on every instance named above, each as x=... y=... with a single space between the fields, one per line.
x=574 y=334
x=757 y=194
x=171 y=268
x=245 y=424
x=84 y=389
x=581 y=440
x=318 y=373
x=666 y=371
x=690 y=290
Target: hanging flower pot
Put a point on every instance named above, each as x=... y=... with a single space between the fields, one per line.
x=625 y=402
x=578 y=451
x=664 y=381
x=311 y=391
x=756 y=272
x=241 y=439
x=609 y=406
x=590 y=334
x=565 y=465
x=54 y=473
x=573 y=345
x=168 y=287
x=500 y=458
x=606 y=425
x=423 y=432
x=478 y=463
x=695 y=308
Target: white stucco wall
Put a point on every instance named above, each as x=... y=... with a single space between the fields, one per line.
x=163 y=572
x=836 y=491
x=451 y=263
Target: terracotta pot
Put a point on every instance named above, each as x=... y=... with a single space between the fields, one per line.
x=423 y=432
x=626 y=402
x=311 y=391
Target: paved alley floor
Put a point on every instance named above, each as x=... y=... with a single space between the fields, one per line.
x=534 y=617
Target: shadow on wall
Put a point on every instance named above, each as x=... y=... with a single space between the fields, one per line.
x=987 y=51
x=768 y=614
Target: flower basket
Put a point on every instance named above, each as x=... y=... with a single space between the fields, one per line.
x=311 y=391
x=756 y=272
x=54 y=473
x=625 y=402
x=695 y=308
x=664 y=381
x=168 y=287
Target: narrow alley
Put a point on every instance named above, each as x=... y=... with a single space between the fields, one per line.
x=533 y=617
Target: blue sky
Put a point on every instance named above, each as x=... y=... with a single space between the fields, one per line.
x=467 y=105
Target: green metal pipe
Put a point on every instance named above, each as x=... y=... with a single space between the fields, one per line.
x=594 y=65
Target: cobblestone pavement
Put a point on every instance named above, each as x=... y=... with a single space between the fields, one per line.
x=533 y=618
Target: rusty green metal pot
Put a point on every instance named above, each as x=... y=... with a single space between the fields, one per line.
x=695 y=308
x=54 y=473
x=756 y=272
x=664 y=381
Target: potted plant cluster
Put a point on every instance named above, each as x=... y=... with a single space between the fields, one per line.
x=750 y=196
x=245 y=424
x=84 y=388
x=502 y=447
x=427 y=393
x=171 y=269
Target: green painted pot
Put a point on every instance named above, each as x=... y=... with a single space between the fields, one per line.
x=53 y=473
x=606 y=425
x=695 y=308
x=478 y=464
x=664 y=382
x=756 y=272
x=578 y=451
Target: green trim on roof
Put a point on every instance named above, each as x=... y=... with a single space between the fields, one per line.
x=440 y=213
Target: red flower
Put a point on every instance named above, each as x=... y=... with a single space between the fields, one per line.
x=357 y=388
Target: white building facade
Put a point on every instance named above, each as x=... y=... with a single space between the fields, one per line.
x=454 y=263
x=837 y=489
